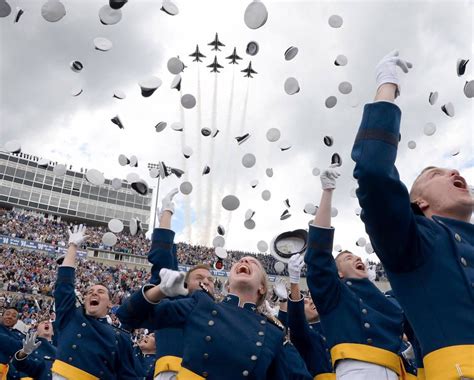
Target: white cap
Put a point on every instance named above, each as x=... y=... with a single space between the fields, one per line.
x=448 y=109
x=252 y=48
x=115 y=225
x=469 y=89
x=109 y=239
x=149 y=85
x=5 y=9
x=292 y=86
x=230 y=202
x=187 y=151
x=254 y=183
x=116 y=184
x=188 y=101
x=310 y=208
x=345 y=88
x=316 y=171
x=335 y=21
x=273 y=134
x=249 y=224
x=341 y=60
x=248 y=160
x=119 y=94
x=109 y=16
x=429 y=129
x=59 y=170
x=95 y=177
x=43 y=162
x=262 y=246
x=186 y=188
x=160 y=126
x=361 y=242
x=269 y=172
x=279 y=267
x=331 y=101
x=221 y=230
x=218 y=241
x=102 y=44
x=123 y=160
x=291 y=53
x=220 y=252
x=255 y=15
x=133 y=161
x=177 y=126
x=249 y=214
x=266 y=195
x=140 y=186
x=53 y=10
x=433 y=97
x=411 y=144
x=334 y=212
x=13 y=146
x=175 y=65
x=169 y=8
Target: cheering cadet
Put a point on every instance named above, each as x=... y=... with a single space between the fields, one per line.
x=305 y=329
x=363 y=328
x=423 y=238
x=10 y=342
x=88 y=347
x=228 y=340
x=146 y=356
x=36 y=357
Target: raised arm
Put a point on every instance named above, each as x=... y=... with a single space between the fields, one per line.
x=163 y=252
x=384 y=199
x=64 y=294
x=148 y=308
x=322 y=276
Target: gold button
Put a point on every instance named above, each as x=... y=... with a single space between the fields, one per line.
x=457 y=237
x=205 y=374
x=79 y=335
x=261 y=333
x=206 y=355
x=208 y=338
x=259 y=344
x=367 y=325
x=210 y=323
x=253 y=357
x=364 y=311
x=69 y=358
x=214 y=312
x=263 y=321
x=84 y=324
x=369 y=341
x=74 y=346
x=245 y=373
x=463 y=261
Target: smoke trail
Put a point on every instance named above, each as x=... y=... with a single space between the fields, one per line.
x=199 y=151
x=226 y=134
x=184 y=165
x=241 y=132
x=210 y=190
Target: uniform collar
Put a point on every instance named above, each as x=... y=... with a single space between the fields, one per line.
x=235 y=300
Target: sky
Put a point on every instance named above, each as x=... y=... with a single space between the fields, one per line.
x=37 y=109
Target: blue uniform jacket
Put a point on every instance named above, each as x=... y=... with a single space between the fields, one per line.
x=222 y=340
x=358 y=320
x=86 y=344
x=429 y=262
x=38 y=364
x=146 y=364
x=169 y=342
x=10 y=342
x=308 y=339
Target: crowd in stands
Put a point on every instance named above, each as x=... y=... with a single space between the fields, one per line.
x=36 y=227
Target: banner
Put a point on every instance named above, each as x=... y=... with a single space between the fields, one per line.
x=28 y=244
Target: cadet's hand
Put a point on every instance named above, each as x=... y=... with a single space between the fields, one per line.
x=167 y=202
x=280 y=290
x=270 y=310
x=172 y=283
x=29 y=344
x=328 y=178
x=77 y=235
x=386 y=69
x=295 y=264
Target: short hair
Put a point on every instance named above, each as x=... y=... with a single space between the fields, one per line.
x=341 y=253
x=101 y=284
x=413 y=190
x=194 y=268
x=13 y=308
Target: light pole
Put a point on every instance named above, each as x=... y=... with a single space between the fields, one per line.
x=155 y=166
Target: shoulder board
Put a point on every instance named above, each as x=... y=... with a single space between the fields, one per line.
x=274 y=321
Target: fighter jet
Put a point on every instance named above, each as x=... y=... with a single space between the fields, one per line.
x=233 y=57
x=215 y=66
x=216 y=43
x=249 y=71
x=197 y=55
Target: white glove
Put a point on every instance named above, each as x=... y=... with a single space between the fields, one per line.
x=29 y=344
x=328 y=178
x=386 y=69
x=295 y=264
x=270 y=310
x=280 y=290
x=172 y=283
x=167 y=202
x=77 y=235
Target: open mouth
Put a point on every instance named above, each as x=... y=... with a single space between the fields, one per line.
x=360 y=266
x=243 y=269
x=46 y=328
x=460 y=183
x=94 y=302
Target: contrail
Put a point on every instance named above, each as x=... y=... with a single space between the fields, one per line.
x=199 y=153
x=187 y=211
x=241 y=132
x=210 y=192
x=227 y=154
